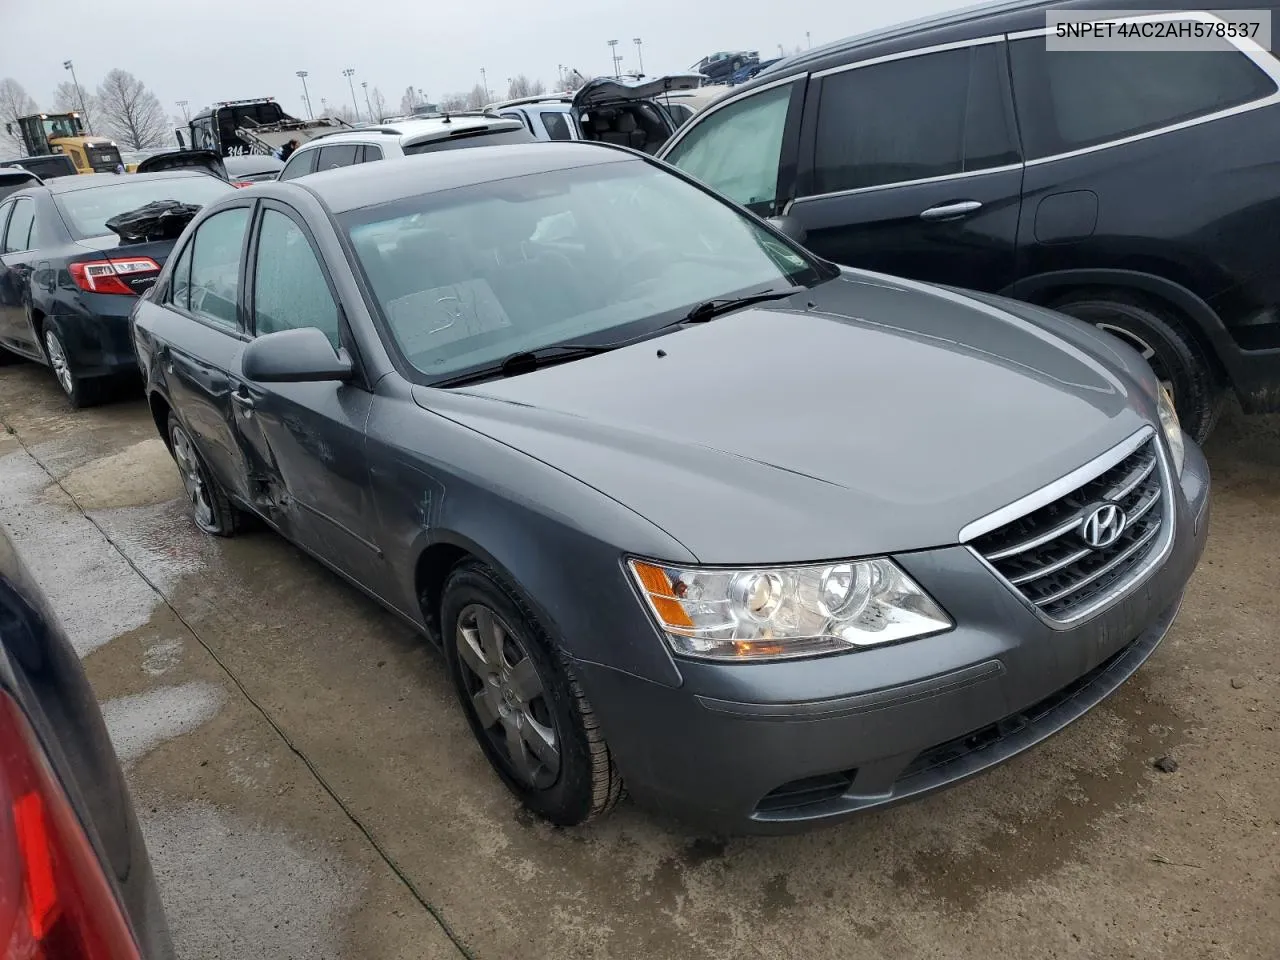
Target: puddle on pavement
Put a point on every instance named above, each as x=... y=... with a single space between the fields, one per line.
x=266 y=894
x=140 y=723
x=89 y=585
x=138 y=475
x=161 y=540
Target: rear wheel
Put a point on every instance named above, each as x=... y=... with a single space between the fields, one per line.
x=523 y=702
x=1164 y=340
x=212 y=511
x=80 y=391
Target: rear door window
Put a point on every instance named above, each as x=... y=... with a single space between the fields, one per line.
x=917 y=118
x=300 y=164
x=215 y=266
x=18 y=237
x=338 y=155
x=1068 y=100
x=557 y=124
x=371 y=153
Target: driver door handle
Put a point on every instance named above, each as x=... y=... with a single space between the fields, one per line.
x=951 y=211
x=241 y=398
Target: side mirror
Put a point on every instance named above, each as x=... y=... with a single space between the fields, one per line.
x=294 y=356
x=789 y=227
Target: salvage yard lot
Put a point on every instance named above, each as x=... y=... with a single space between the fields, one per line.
x=310 y=789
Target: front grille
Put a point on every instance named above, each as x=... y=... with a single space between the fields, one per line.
x=1045 y=557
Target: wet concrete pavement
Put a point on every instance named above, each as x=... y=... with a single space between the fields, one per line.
x=309 y=788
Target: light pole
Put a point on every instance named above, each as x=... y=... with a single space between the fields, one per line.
x=349 y=73
x=484 y=82
x=365 y=85
x=68 y=65
x=324 y=107
x=808 y=40
x=613 y=52
x=182 y=104
x=639 y=56
x=302 y=75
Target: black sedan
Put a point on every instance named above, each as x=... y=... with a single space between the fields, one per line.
x=68 y=283
x=75 y=879
x=771 y=540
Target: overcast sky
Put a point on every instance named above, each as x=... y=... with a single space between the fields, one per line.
x=203 y=51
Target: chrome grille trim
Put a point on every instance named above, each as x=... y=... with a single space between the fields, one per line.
x=1055 y=573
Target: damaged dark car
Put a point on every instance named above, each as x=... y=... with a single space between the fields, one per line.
x=76 y=253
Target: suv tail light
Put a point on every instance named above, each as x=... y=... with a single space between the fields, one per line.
x=107 y=276
x=242 y=183
x=55 y=902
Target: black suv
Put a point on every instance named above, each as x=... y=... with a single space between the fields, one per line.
x=1135 y=190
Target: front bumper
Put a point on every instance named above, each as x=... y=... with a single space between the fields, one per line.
x=772 y=748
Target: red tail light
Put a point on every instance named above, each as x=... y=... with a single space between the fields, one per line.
x=107 y=276
x=242 y=183
x=55 y=902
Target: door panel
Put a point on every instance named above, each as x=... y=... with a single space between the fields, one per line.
x=913 y=167
x=308 y=439
x=198 y=340
x=17 y=262
x=959 y=231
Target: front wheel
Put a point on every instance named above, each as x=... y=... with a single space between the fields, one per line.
x=1163 y=339
x=523 y=703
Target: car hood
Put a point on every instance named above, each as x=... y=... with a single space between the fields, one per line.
x=876 y=417
x=603 y=90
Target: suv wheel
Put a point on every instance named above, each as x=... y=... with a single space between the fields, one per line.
x=1161 y=336
x=523 y=702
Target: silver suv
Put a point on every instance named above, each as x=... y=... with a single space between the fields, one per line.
x=400 y=139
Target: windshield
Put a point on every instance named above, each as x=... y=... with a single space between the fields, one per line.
x=466 y=277
x=86 y=212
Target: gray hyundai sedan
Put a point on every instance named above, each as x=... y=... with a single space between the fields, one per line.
x=689 y=509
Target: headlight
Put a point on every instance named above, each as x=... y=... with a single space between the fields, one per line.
x=1172 y=428
x=784 y=612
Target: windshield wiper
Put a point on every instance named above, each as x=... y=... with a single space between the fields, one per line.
x=529 y=360
x=710 y=309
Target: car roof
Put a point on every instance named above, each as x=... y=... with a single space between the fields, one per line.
x=955 y=26
x=84 y=181
x=369 y=184
x=425 y=128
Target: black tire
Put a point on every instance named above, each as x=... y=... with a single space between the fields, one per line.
x=1164 y=338
x=80 y=391
x=217 y=515
x=586 y=783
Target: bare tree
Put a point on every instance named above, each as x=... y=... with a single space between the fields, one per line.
x=453 y=102
x=66 y=99
x=477 y=98
x=574 y=79
x=408 y=100
x=379 y=105
x=130 y=112
x=522 y=86
x=14 y=102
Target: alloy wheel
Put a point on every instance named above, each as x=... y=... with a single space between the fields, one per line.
x=507 y=696
x=193 y=480
x=58 y=361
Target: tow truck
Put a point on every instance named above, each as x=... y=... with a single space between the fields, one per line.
x=45 y=133
x=232 y=128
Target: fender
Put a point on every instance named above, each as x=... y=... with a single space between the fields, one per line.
x=1041 y=288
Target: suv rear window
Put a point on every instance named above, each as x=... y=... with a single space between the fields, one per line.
x=1069 y=100
x=912 y=119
